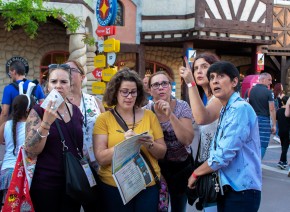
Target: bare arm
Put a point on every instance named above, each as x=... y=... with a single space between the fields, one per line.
x=103 y=154
x=158 y=149
x=37 y=130
x=100 y=104
x=273 y=116
x=201 y=170
x=287 y=108
x=4 y=114
x=182 y=127
x=2 y=141
x=202 y=115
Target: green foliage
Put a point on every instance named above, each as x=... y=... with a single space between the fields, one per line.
x=29 y=14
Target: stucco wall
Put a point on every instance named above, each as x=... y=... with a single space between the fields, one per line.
x=51 y=37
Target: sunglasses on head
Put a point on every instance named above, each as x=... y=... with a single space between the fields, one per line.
x=65 y=67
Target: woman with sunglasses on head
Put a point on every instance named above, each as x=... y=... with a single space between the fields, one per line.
x=90 y=106
x=43 y=141
x=235 y=152
x=175 y=118
x=198 y=86
x=126 y=93
x=12 y=135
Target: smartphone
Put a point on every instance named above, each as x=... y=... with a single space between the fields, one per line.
x=55 y=96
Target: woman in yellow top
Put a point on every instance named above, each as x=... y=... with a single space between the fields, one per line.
x=126 y=92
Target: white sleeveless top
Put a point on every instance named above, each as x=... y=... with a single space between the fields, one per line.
x=90 y=110
x=9 y=158
x=206 y=137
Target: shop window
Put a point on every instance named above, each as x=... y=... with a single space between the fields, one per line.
x=152 y=67
x=120 y=15
x=57 y=57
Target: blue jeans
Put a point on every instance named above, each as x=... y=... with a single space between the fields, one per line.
x=178 y=202
x=242 y=201
x=263 y=151
x=146 y=200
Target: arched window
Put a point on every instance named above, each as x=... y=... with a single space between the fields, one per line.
x=56 y=57
x=120 y=15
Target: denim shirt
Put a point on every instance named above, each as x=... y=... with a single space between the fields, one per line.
x=238 y=151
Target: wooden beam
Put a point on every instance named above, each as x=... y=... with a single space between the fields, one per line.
x=167 y=17
x=253 y=11
x=275 y=61
x=220 y=9
x=283 y=70
x=231 y=6
x=241 y=9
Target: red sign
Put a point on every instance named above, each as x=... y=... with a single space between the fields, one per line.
x=260 y=62
x=97 y=73
x=106 y=30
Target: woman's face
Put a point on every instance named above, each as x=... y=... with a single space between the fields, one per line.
x=59 y=79
x=200 y=70
x=127 y=94
x=222 y=86
x=160 y=87
x=76 y=76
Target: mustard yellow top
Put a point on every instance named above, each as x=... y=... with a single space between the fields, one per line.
x=106 y=124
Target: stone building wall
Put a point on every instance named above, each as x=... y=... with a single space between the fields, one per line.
x=51 y=37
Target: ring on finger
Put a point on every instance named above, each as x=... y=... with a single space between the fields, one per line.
x=53 y=107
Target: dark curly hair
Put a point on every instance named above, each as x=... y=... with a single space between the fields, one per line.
x=19 y=111
x=110 y=96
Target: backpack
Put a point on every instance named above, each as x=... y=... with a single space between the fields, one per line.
x=22 y=91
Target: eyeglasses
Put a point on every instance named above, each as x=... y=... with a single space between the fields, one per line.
x=65 y=67
x=126 y=93
x=76 y=70
x=156 y=85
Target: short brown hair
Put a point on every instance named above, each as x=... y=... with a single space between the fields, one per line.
x=110 y=96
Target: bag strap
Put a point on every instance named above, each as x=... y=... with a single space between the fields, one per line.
x=125 y=128
x=120 y=122
x=156 y=178
x=64 y=147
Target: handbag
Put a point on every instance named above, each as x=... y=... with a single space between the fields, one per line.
x=206 y=186
x=163 y=203
x=77 y=183
x=18 y=196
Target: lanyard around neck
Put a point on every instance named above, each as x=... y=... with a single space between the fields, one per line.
x=85 y=110
x=123 y=119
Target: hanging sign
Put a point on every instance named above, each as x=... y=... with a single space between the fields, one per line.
x=111 y=58
x=19 y=59
x=108 y=73
x=105 y=30
x=106 y=12
x=98 y=87
x=260 y=62
x=100 y=46
x=111 y=45
x=97 y=73
x=100 y=61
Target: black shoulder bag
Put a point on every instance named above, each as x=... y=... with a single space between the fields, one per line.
x=76 y=182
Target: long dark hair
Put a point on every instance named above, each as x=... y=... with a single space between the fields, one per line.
x=20 y=110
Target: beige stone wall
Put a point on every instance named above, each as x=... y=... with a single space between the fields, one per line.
x=51 y=37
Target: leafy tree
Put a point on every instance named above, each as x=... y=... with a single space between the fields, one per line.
x=29 y=14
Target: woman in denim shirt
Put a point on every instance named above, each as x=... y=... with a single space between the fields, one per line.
x=235 y=152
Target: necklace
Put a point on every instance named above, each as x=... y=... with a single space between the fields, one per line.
x=64 y=112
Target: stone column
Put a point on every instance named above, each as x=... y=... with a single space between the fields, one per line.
x=90 y=66
x=78 y=49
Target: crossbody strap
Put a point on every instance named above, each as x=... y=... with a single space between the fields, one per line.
x=64 y=147
x=125 y=128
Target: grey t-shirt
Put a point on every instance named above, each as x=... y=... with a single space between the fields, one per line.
x=259 y=98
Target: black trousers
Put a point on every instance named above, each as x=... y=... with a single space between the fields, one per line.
x=284 y=138
x=57 y=200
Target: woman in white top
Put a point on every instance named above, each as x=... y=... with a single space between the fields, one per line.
x=90 y=106
x=12 y=135
x=205 y=114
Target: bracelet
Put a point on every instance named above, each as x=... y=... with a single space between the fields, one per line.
x=191 y=84
x=195 y=176
x=42 y=136
x=44 y=127
x=151 y=145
